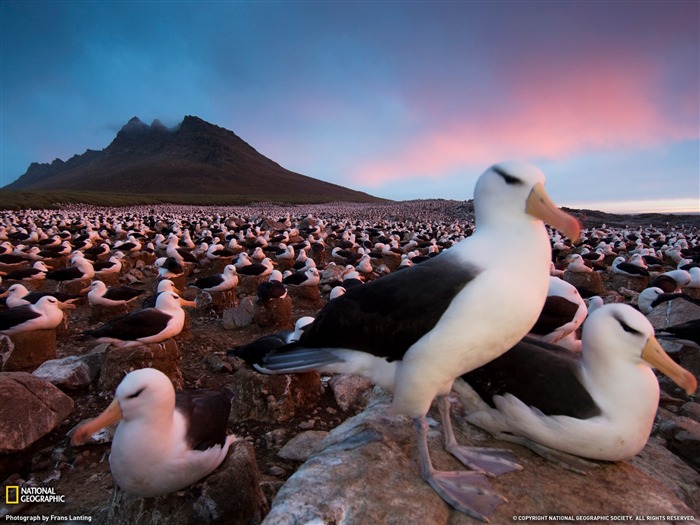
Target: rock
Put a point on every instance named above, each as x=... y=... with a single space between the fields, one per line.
x=587 y=284
x=349 y=390
x=303 y=445
x=276 y=471
x=100 y=312
x=307 y=425
x=216 y=364
x=30 y=408
x=248 y=284
x=656 y=461
x=275 y=438
x=347 y=480
x=636 y=283
x=691 y=292
x=275 y=314
x=272 y=398
x=240 y=316
x=332 y=275
x=231 y=494
x=110 y=279
x=672 y=313
x=219 y=264
x=305 y=296
x=118 y=362
x=682 y=435
x=71 y=372
x=691 y=410
x=25 y=351
x=73 y=287
x=217 y=301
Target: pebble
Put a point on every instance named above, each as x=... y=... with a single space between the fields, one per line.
x=276 y=471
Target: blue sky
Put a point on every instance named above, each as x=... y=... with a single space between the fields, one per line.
x=399 y=99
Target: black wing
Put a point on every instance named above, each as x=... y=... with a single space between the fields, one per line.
x=207 y=412
x=132 y=326
x=255 y=352
x=539 y=374
x=386 y=316
x=556 y=312
x=16 y=316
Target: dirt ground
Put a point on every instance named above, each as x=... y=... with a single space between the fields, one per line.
x=82 y=474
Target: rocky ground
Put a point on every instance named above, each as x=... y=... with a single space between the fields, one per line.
x=82 y=473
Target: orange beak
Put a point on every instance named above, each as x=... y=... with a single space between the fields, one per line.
x=656 y=357
x=541 y=206
x=109 y=416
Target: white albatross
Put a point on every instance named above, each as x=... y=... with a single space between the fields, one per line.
x=146 y=326
x=165 y=441
x=599 y=406
x=416 y=330
x=46 y=314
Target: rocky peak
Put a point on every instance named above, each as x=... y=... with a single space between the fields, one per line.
x=134 y=124
x=158 y=125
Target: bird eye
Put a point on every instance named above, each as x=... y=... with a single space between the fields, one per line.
x=136 y=394
x=627 y=328
x=506 y=177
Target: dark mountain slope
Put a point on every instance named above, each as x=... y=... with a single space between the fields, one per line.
x=195 y=157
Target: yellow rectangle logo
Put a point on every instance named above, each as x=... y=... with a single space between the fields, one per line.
x=11 y=501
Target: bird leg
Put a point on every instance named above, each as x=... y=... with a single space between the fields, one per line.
x=468 y=492
x=489 y=461
x=563 y=459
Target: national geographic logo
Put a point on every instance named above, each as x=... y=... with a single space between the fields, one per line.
x=14 y=494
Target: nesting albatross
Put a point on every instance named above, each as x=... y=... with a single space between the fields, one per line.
x=44 y=315
x=416 y=330
x=146 y=326
x=601 y=406
x=165 y=441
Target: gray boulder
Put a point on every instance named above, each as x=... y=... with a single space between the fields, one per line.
x=30 y=408
x=71 y=372
x=366 y=471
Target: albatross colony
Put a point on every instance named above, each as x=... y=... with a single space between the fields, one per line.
x=414 y=231
x=415 y=331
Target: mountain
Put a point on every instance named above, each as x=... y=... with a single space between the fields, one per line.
x=195 y=157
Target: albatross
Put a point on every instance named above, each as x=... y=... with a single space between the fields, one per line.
x=416 y=330
x=164 y=441
x=599 y=405
x=146 y=326
x=99 y=294
x=44 y=315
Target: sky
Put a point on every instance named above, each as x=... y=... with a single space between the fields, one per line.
x=400 y=99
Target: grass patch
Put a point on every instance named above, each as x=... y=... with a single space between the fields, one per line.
x=22 y=200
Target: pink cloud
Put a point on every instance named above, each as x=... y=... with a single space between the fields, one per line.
x=552 y=113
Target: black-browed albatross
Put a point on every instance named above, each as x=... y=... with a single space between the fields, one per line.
x=146 y=326
x=46 y=314
x=416 y=330
x=598 y=405
x=165 y=441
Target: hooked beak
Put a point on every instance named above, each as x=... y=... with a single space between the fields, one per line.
x=541 y=206
x=109 y=416
x=656 y=357
x=66 y=305
x=4 y=294
x=185 y=302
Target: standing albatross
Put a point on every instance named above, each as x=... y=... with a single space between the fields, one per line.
x=416 y=330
